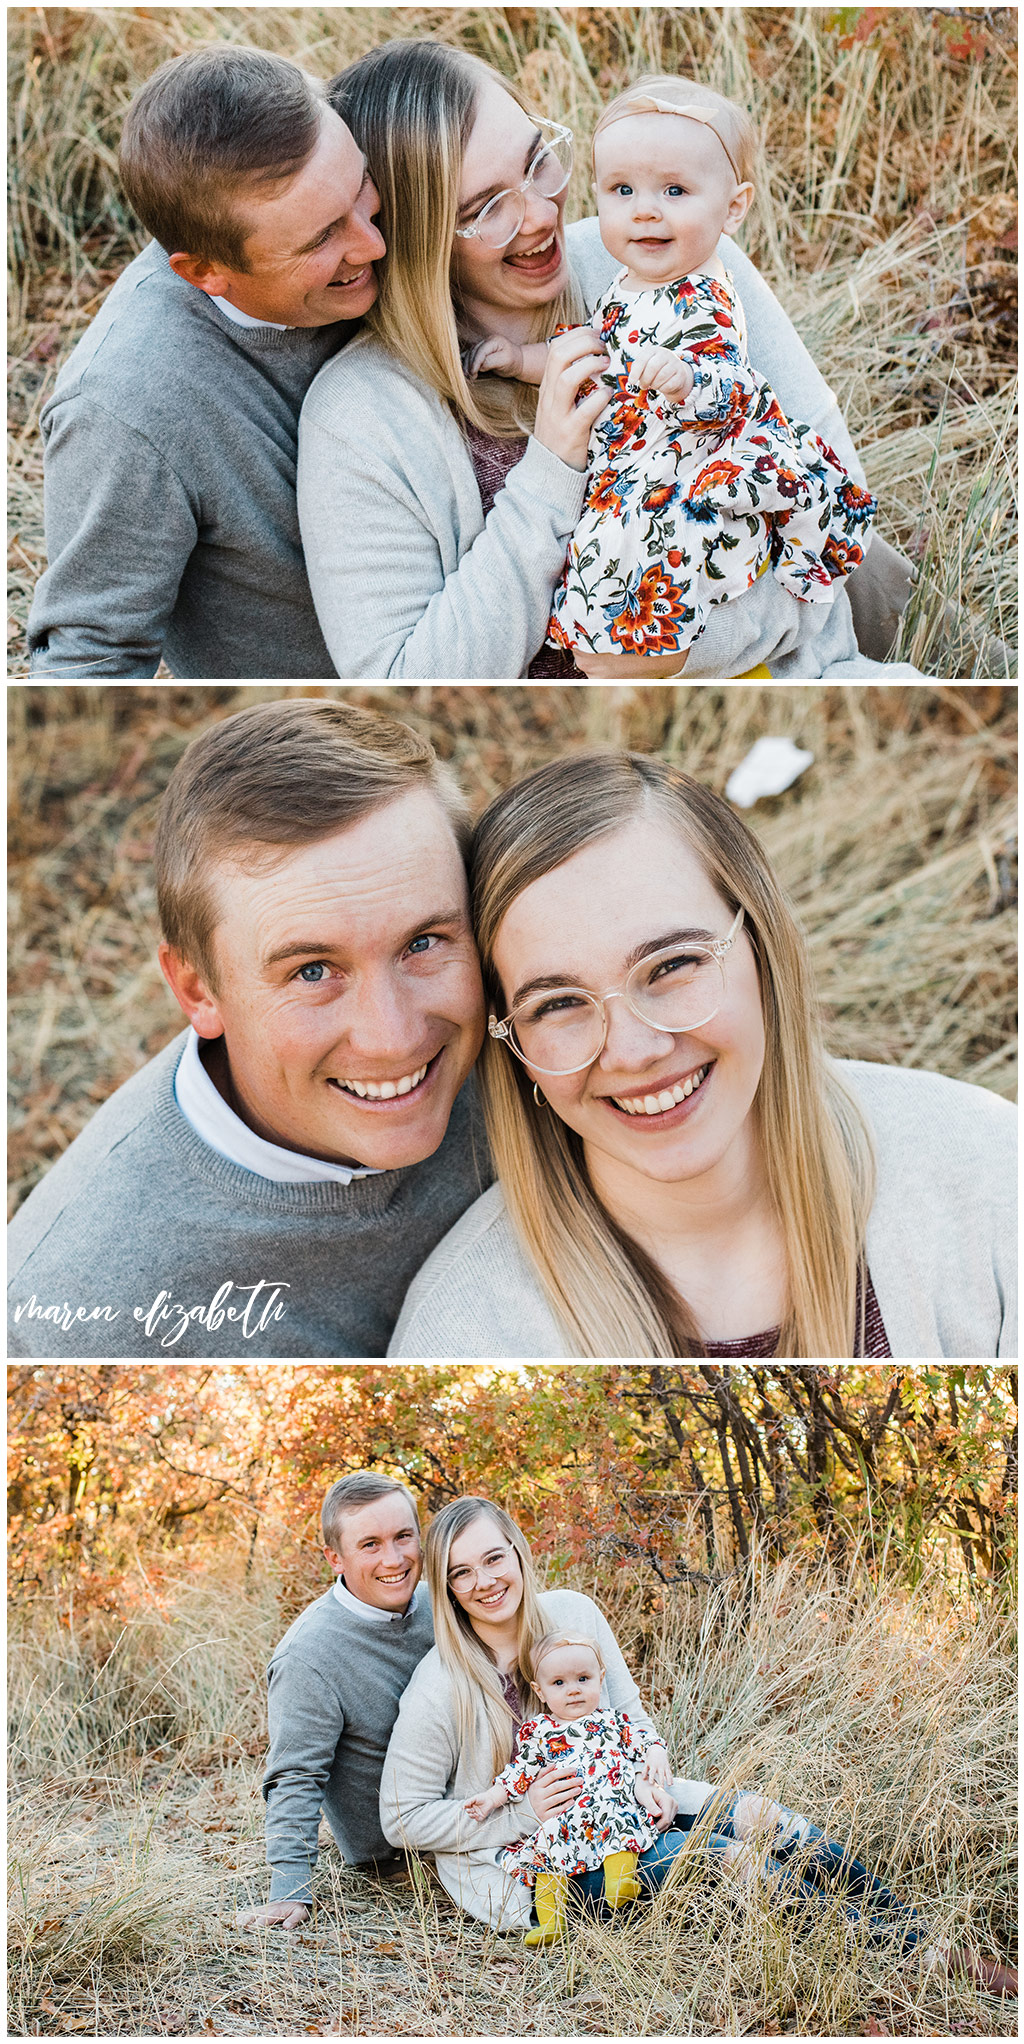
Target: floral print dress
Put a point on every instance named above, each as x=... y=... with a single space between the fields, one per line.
x=687 y=504
x=602 y=1748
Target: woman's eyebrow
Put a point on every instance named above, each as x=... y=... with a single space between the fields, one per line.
x=479 y=199
x=548 y=981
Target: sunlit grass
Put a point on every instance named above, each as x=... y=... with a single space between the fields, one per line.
x=887 y=1714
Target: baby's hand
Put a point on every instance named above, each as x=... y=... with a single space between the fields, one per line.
x=495 y=357
x=661 y=370
x=484 y=1805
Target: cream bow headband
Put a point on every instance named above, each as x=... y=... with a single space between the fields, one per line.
x=648 y=103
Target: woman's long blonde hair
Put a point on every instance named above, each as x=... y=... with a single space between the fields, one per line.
x=606 y=1291
x=474 y=1677
x=411 y=107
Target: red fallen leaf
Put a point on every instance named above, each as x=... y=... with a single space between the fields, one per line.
x=387 y=1951
x=873 y=2029
x=45 y=348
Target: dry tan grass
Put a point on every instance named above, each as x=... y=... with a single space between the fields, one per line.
x=886 y=226
x=898 y=848
x=136 y=1831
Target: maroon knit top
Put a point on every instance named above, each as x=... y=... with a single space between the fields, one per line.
x=492 y=459
x=876 y=1342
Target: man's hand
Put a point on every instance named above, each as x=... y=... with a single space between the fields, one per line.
x=662 y=370
x=288 y=1914
x=555 y=1789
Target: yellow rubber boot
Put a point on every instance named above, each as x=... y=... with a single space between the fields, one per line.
x=620 y=1881
x=549 y=1901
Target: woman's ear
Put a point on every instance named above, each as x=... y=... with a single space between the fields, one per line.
x=739 y=207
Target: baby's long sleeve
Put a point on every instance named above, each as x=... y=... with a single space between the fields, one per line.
x=525 y=1764
x=723 y=381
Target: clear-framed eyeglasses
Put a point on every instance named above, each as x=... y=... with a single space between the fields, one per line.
x=563 y=1029
x=462 y=1577
x=499 y=221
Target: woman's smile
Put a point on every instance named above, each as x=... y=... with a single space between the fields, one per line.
x=540 y=261
x=664 y=1102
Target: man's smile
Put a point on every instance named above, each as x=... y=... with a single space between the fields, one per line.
x=378 y=1092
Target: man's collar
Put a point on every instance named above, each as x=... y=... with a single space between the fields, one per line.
x=218 y=1124
x=240 y=318
x=357 y=1609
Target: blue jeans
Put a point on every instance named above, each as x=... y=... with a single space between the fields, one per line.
x=586 y=1891
x=804 y=1871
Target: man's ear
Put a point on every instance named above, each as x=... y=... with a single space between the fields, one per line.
x=205 y=276
x=191 y=992
x=738 y=209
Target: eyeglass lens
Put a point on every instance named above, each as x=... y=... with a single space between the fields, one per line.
x=675 y=990
x=462 y=1577
x=548 y=175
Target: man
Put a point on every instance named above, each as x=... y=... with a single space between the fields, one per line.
x=270 y=1182
x=170 y=438
x=335 y=1682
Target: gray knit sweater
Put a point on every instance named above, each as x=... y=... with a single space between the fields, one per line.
x=142 y=1221
x=941 y=1237
x=334 y=1683
x=171 y=527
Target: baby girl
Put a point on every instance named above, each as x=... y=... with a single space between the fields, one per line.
x=610 y=1824
x=698 y=483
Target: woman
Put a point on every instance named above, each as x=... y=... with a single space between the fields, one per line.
x=456 y=1726
x=458 y=1716
x=435 y=509
x=682 y=1170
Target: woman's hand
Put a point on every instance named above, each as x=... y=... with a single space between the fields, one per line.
x=555 y=1790
x=563 y=424
x=666 y=1806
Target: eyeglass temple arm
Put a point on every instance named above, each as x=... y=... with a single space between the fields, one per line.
x=721 y=944
x=496 y=1028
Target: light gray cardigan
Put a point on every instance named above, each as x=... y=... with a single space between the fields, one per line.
x=410 y=581
x=428 y=1777
x=941 y=1238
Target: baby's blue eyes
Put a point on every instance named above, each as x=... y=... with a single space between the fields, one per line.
x=671 y=191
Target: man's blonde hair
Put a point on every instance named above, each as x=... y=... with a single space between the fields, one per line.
x=351 y=1493
x=269 y=780
x=656 y=93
